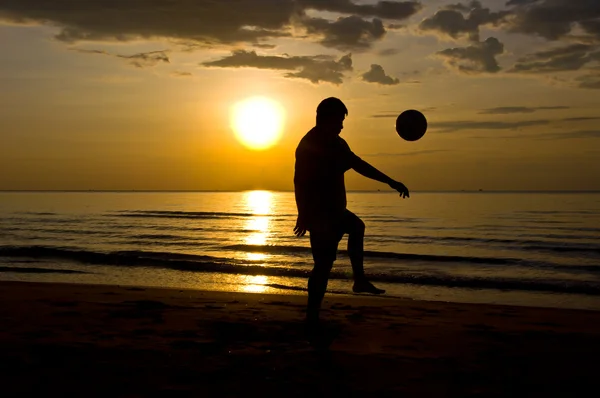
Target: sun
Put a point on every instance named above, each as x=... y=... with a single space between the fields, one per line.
x=257 y=122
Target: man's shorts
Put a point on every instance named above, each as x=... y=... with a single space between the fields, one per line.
x=326 y=234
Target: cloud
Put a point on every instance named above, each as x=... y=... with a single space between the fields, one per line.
x=208 y=22
x=86 y=51
x=505 y=110
x=565 y=58
x=265 y=46
x=142 y=60
x=386 y=115
x=585 y=134
x=395 y=26
x=205 y=21
x=314 y=68
x=580 y=118
x=139 y=60
x=451 y=21
x=447 y=127
x=590 y=81
x=591 y=26
x=388 y=51
x=377 y=75
x=451 y=126
x=405 y=154
x=394 y=114
x=477 y=58
x=520 y=2
x=181 y=74
x=555 y=19
x=382 y=9
x=572 y=134
x=346 y=33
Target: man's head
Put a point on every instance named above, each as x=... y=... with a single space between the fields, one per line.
x=331 y=113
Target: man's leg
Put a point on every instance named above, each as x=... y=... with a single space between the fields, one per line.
x=317 y=285
x=324 y=246
x=355 y=228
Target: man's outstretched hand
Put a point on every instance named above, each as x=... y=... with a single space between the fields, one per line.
x=300 y=228
x=401 y=188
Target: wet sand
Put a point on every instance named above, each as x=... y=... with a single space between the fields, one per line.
x=99 y=341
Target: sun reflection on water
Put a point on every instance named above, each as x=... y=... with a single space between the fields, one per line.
x=260 y=204
x=255 y=284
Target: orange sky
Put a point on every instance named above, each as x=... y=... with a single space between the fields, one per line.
x=140 y=97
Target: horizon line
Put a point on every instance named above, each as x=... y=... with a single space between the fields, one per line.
x=289 y=190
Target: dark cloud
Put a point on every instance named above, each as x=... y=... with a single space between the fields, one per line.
x=447 y=127
x=382 y=9
x=139 y=60
x=314 y=68
x=580 y=119
x=554 y=19
x=388 y=51
x=346 y=33
x=572 y=134
x=208 y=22
x=203 y=20
x=458 y=7
x=405 y=154
x=142 y=60
x=386 y=115
x=591 y=26
x=394 y=114
x=395 y=26
x=264 y=46
x=181 y=74
x=589 y=81
x=86 y=51
x=451 y=20
x=377 y=75
x=476 y=58
x=585 y=134
x=565 y=58
x=520 y=2
x=505 y=110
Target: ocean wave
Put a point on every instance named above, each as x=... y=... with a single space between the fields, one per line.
x=523 y=244
x=34 y=270
x=374 y=254
x=113 y=230
x=35 y=213
x=535 y=227
x=45 y=220
x=201 y=263
x=565 y=249
x=390 y=219
x=191 y=214
x=566 y=212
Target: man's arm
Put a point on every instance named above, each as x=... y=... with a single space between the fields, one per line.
x=301 y=198
x=365 y=169
x=304 y=172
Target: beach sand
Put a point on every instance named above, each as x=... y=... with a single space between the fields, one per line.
x=100 y=341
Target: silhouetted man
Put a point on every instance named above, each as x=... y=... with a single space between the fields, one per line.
x=322 y=158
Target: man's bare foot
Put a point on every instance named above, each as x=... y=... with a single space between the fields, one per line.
x=366 y=287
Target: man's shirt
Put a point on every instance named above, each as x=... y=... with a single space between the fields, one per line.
x=319 y=174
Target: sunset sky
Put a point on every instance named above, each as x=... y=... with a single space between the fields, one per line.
x=139 y=94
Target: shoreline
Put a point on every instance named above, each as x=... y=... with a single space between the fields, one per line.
x=109 y=275
x=62 y=338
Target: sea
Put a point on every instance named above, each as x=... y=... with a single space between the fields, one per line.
x=517 y=248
